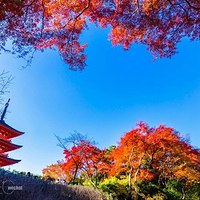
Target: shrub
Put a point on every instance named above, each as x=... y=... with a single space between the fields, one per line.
x=38 y=189
x=115 y=188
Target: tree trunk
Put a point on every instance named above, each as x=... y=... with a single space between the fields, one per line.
x=129 y=178
x=75 y=174
x=131 y=169
x=183 y=193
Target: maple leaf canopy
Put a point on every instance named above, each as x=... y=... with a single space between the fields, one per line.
x=57 y=24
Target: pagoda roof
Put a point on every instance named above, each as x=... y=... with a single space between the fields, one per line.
x=10 y=131
x=7 y=146
x=4 y=161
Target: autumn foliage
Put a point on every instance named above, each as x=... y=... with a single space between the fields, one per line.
x=82 y=158
x=39 y=24
x=55 y=171
x=147 y=153
x=155 y=156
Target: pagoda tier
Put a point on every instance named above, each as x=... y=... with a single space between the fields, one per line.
x=7 y=146
x=4 y=161
x=8 y=131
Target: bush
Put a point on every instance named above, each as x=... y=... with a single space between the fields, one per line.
x=115 y=188
x=38 y=189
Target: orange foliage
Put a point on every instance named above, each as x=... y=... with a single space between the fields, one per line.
x=55 y=171
x=84 y=158
x=159 y=24
x=146 y=153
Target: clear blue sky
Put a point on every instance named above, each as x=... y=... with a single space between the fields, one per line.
x=117 y=90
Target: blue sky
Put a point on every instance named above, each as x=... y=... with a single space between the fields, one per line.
x=117 y=90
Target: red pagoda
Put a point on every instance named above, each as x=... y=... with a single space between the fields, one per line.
x=6 y=133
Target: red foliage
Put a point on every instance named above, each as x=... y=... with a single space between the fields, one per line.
x=159 y=24
x=146 y=153
x=83 y=158
x=55 y=171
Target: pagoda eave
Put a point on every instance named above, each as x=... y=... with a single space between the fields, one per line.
x=4 y=161
x=7 y=146
x=9 y=131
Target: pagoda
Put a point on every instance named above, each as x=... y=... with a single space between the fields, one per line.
x=6 y=133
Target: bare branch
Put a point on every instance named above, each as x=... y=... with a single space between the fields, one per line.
x=5 y=81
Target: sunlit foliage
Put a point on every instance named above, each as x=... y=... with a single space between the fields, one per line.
x=148 y=163
x=39 y=24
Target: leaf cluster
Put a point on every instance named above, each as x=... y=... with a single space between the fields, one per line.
x=40 y=24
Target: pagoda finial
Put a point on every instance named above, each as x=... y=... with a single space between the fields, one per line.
x=5 y=109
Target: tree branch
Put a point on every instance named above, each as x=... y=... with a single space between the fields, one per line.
x=191 y=5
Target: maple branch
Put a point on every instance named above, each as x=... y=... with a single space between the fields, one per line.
x=179 y=26
x=152 y=157
x=138 y=5
x=76 y=140
x=90 y=178
x=137 y=8
x=177 y=4
x=138 y=169
x=135 y=177
x=5 y=50
x=61 y=144
x=88 y=5
x=27 y=6
x=191 y=5
x=74 y=25
x=174 y=32
x=183 y=193
x=29 y=60
x=42 y=17
x=130 y=173
x=77 y=164
x=75 y=18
